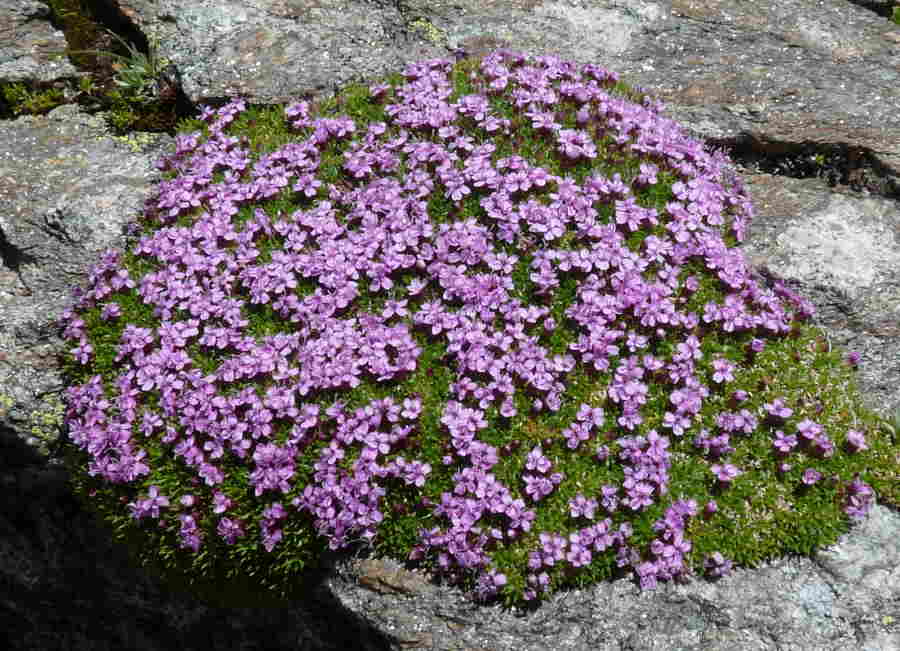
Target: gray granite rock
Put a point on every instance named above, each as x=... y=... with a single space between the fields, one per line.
x=773 y=83
x=28 y=42
x=847 y=597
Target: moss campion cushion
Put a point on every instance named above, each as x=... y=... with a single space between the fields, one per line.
x=487 y=317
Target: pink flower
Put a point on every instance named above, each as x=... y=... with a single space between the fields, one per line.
x=856 y=441
x=725 y=472
x=811 y=476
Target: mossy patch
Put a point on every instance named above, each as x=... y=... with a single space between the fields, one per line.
x=763 y=513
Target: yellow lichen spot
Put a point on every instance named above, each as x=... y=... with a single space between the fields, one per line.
x=428 y=30
x=45 y=424
x=137 y=141
x=5 y=403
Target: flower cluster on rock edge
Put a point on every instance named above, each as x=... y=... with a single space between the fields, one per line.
x=188 y=381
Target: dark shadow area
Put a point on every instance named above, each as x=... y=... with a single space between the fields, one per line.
x=13 y=257
x=837 y=163
x=16 y=453
x=883 y=8
x=67 y=586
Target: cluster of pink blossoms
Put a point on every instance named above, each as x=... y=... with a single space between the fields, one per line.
x=207 y=274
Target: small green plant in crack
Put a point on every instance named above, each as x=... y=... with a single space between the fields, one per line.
x=133 y=89
x=138 y=73
x=892 y=425
x=30 y=101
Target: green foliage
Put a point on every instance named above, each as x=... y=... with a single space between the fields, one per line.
x=133 y=103
x=76 y=19
x=122 y=80
x=243 y=575
x=23 y=100
x=136 y=73
x=763 y=516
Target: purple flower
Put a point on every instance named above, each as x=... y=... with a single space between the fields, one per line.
x=811 y=476
x=859 y=499
x=191 y=537
x=274 y=467
x=537 y=462
x=609 y=500
x=808 y=429
x=639 y=496
x=741 y=421
x=578 y=554
x=580 y=506
x=150 y=506
x=602 y=453
x=823 y=446
x=230 y=530
x=83 y=352
x=723 y=370
x=856 y=441
x=574 y=143
x=677 y=423
x=543 y=120
x=111 y=311
x=648 y=174
x=576 y=433
x=725 y=472
x=778 y=410
x=222 y=503
x=553 y=548
x=784 y=443
x=412 y=407
x=717 y=565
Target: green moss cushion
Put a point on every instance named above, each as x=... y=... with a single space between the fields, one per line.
x=487 y=317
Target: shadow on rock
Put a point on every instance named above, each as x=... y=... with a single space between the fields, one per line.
x=65 y=586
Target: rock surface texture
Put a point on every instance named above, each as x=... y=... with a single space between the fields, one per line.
x=775 y=83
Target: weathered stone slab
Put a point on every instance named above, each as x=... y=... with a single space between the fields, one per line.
x=28 y=42
x=727 y=67
x=846 y=597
